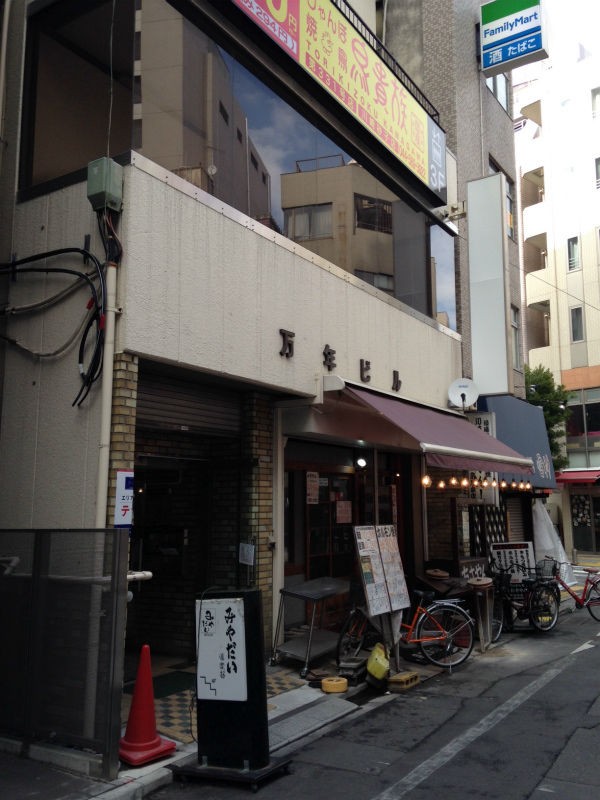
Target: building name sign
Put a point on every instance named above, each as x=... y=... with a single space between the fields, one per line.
x=319 y=38
x=287 y=351
x=512 y=34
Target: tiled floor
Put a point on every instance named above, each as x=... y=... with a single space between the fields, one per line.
x=176 y=713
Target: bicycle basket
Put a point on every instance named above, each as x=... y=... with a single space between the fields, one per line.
x=546 y=568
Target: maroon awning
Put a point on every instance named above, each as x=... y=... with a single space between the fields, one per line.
x=447 y=440
x=578 y=476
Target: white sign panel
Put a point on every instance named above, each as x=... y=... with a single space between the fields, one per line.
x=124 y=499
x=514 y=554
x=221 y=644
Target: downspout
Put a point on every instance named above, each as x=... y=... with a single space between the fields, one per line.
x=106 y=394
x=91 y=683
x=3 y=59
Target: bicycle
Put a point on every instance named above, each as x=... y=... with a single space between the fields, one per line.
x=590 y=592
x=442 y=629
x=532 y=598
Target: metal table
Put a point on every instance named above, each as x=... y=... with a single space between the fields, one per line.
x=315 y=643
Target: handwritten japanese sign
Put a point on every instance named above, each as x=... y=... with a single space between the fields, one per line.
x=221 y=642
x=322 y=41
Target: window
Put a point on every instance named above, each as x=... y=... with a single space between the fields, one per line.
x=509 y=202
x=308 y=222
x=223 y=112
x=373 y=214
x=377 y=279
x=598 y=173
x=573 y=253
x=577 y=324
x=596 y=102
x=498 y=86
x=64 y=123
x=516 y=336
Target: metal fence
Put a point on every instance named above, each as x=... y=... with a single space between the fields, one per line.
x=63 y=596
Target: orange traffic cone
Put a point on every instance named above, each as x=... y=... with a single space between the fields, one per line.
x=141 y=742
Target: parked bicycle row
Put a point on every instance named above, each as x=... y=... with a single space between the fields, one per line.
x=443 y=630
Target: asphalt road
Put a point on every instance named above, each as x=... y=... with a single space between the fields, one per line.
x=521 y=721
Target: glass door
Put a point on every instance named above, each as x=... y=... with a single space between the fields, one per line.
x=330 y=545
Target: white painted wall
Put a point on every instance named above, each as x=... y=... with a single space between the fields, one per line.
x=201 y=286
x=205 y=286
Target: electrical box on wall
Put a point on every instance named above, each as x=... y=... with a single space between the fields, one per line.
x=105 y=184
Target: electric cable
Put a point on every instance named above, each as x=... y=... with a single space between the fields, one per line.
x=59 y=351
x=96 y=305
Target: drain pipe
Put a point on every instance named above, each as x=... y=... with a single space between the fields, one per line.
x=91 y=683
x=106 y=394
x=3 y=59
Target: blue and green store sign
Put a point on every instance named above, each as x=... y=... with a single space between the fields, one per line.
x=512 y=34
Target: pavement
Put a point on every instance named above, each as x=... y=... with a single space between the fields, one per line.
x=55 y=773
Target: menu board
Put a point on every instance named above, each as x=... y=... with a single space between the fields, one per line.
x=392 y=566
x=381 y=568
x=514 y=556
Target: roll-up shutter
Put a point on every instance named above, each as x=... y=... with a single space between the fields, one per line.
x=516 y=523
x=170 y=403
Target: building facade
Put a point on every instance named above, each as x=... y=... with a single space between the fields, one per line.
x=561 y=217
x=200 y=350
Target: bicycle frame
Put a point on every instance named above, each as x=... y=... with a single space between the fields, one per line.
x=585 y=599
x=407 y=629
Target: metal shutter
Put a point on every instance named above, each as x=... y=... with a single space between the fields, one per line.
x=168 y=403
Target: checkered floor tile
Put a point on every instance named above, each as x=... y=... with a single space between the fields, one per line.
x=176 y=713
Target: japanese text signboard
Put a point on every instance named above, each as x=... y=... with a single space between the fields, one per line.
x=381 y=568
x=221 y=657
x=515 y=556
x=512 y=34
x=316 y=35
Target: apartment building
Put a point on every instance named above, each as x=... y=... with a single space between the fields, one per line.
x=556 y=135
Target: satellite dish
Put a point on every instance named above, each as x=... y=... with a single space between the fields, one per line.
x=462 y=393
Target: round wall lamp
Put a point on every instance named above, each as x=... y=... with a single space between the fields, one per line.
x=361 y=462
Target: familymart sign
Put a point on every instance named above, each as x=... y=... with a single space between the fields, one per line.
x=512 y=34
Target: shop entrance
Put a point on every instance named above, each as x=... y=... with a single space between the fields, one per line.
x=329 y=490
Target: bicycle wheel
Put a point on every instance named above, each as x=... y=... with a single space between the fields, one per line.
x=543 y=611
x=352 y=636
x=593 y=601
x=497 y=618
x=445 y=635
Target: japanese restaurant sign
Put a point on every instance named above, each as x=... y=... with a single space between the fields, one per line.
x=324 y=43
x=221 y=657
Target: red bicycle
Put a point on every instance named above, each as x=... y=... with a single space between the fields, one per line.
x=590 y=593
